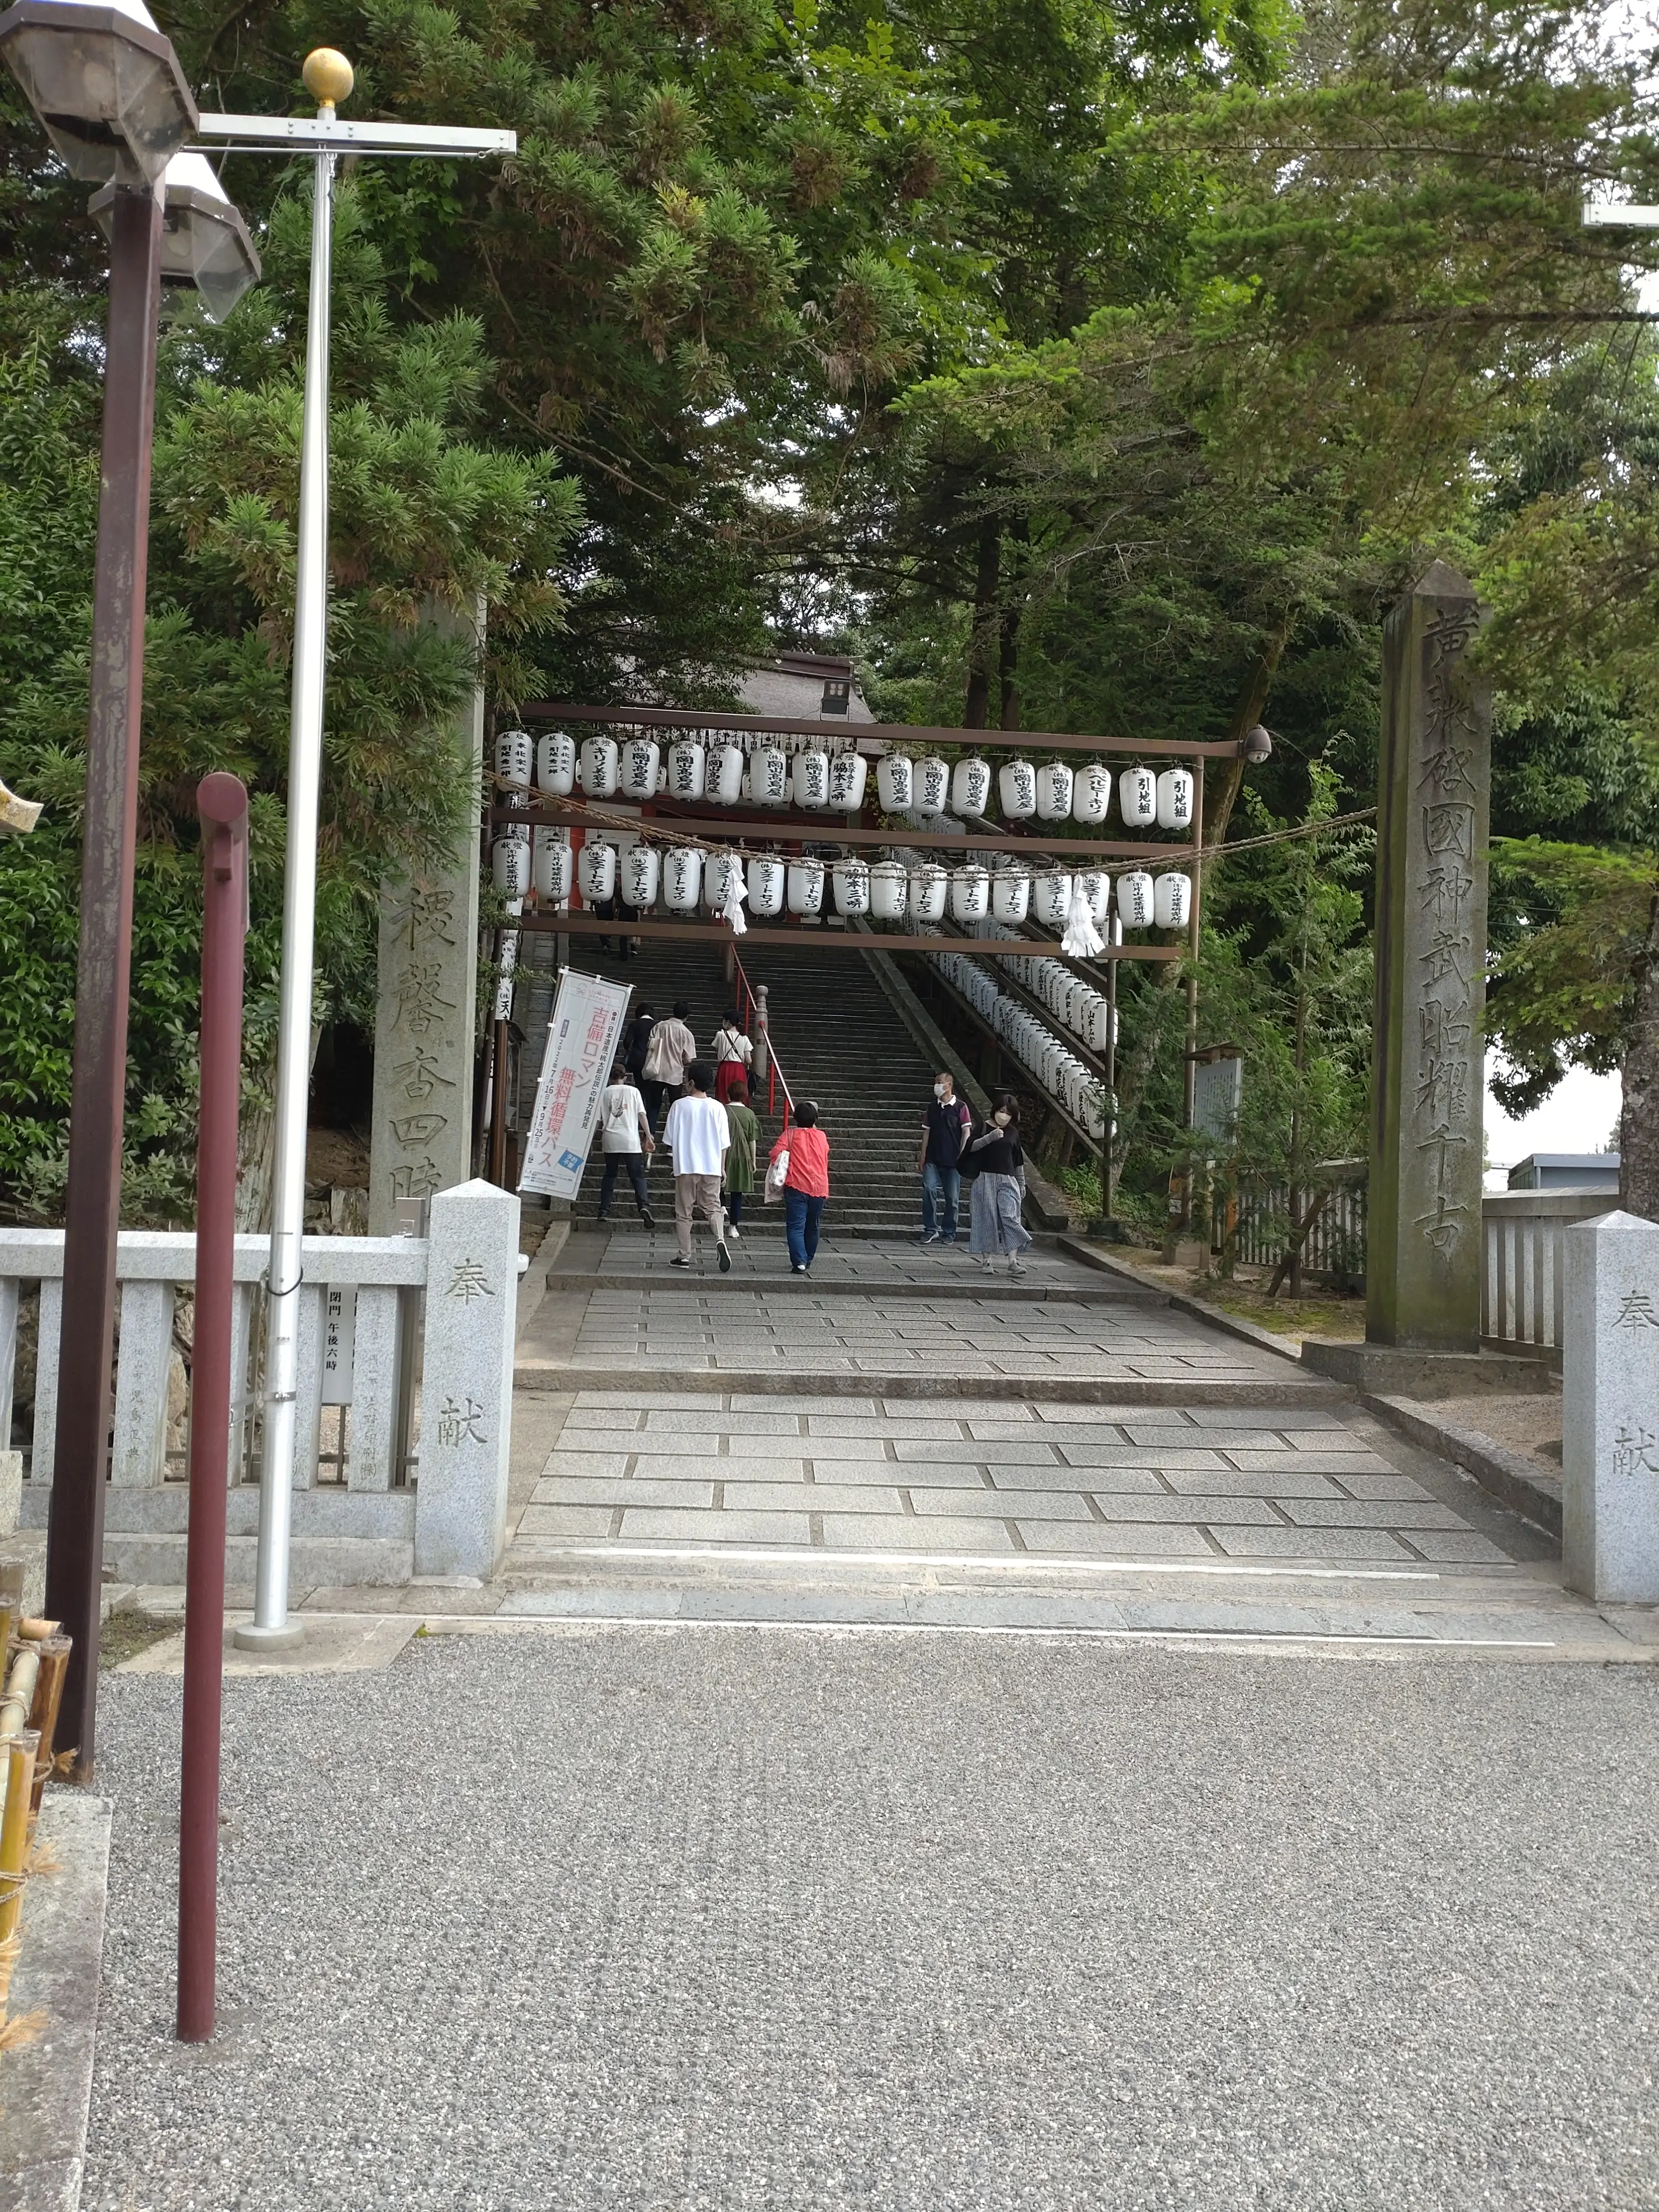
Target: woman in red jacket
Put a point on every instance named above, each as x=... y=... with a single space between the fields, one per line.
x=805 y=1184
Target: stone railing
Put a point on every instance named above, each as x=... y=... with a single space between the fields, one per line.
x=1523 y=1272
x=411 y=1336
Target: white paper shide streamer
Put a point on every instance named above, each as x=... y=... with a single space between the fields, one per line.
x=1082 y=940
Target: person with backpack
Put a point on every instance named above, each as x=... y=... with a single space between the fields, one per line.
x=945 y=1128
x=734 y=1051
x=636 y=1038
x=745 y=1125
x=803 y=1153
x=670 y=1051
x=996 y=1162
x=626 y=1141
x=698 y=1136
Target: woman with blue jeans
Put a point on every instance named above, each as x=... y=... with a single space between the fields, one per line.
x=805 y=1184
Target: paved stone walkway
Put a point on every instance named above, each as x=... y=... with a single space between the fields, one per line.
x=987 y=1477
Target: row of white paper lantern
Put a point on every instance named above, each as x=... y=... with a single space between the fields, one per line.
x=638 y=875
x=1077 y=1005
x=1058 y=1069
x=725 y=775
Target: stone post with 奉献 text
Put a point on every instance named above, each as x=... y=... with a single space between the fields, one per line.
x=1610 y=1410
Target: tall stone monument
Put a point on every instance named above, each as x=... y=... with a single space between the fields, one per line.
x=424 y=1026
x=1424 y=1236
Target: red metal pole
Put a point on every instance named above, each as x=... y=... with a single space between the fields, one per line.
x=222 y=804
x=74 y=1528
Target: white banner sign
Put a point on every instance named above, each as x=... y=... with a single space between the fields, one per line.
x=581 y=1045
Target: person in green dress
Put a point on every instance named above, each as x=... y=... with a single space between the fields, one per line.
x=744 y=1124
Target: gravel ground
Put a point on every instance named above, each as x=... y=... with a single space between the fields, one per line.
x=635 y=1920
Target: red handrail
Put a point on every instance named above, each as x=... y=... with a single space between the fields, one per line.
x=747 y=1006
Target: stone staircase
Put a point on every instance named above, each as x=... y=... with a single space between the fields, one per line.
x=839 y=1041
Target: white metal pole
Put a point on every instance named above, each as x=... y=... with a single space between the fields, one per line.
x=270 y=1625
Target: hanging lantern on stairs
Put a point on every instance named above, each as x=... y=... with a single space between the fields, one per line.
x=769 y=776
x=847 y=774
x=895 y=782
x=640 y=759
x=551 y=867
x=971 y=787
x=889 y=891
x=810 y=778
x=1017 y=788
x=930 y=887
x=1171 y=900
x=1054 y=791
x=1175 y=799
x=555 y=765
x=1137 y=798
x=683 y=878
x=596 y=871
x=1091 y=794
x=852 y=882
x=971 y=893
x=1011 y=894
x=642 y=874
x=1134 y=899
x=933 y=784
x=600 y=767
x=688 y=765
x=515 y=756
x=723 y=777
x=766 y=885
x=805 y=885
x=1051 y=898
x=720 y=871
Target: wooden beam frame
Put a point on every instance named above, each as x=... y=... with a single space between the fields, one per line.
x=899 y=736
x=818 y=938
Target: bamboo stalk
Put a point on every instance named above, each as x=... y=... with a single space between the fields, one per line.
x=20 y=1753
x=43 y=1713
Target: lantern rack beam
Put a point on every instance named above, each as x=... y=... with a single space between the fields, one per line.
x=819 y=937
x=897 y=737
x=791 y=825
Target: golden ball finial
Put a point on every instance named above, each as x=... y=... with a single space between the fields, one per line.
x=327 y=76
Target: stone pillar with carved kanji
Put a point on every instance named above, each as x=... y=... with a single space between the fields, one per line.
x=424 y=1025
x=1424 y=1234
x=466 y=1381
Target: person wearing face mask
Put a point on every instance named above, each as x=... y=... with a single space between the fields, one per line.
x=997 y=1163
x=946 y=1129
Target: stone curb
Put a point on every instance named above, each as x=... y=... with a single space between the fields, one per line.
x=45 y=2085
x=1295 y=1391
x=1230 y=1324
x=1514 y=1480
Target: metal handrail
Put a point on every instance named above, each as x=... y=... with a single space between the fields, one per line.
x=747 y=1006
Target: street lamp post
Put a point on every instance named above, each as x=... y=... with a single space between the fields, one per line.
x=112 y=99
x=328 y=76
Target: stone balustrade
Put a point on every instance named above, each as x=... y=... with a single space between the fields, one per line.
x=412 y=1334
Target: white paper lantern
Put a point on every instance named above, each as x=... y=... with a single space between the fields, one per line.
x=1091 y=793
x=933 y=784
x=1017 y=787
x=596 y=871
x=971 y=787
x=682 y=877
x=889 y=891
x=601 y=765
x=640 y=759
x=852 y=879
x=847 y=775
x=551 y=867
x=766 y=885
x=1098 y=1025
x=971 y=894
x=810 y=778
x=1011 y=894
x=686 y=767
x=1051 y=898
x=719 y=869
x=805 y=885
x=1134 y=899
x=1095 y=886
x=1137 y=798
x=1171 y=900
x=769 y=776
x=516 y=756
x=1054 y=791
x=509 y=866
x=1175 y=799
x=642 y=874
x=930 y=887
x=555 y=765
x=723 y=776
x=895 y=782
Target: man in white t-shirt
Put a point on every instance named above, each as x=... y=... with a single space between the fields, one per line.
x=626 y=1141
x=698 y=1135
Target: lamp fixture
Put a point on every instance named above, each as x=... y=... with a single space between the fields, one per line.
x=106 y=84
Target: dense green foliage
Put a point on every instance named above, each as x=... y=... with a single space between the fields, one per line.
x=1077 y=368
